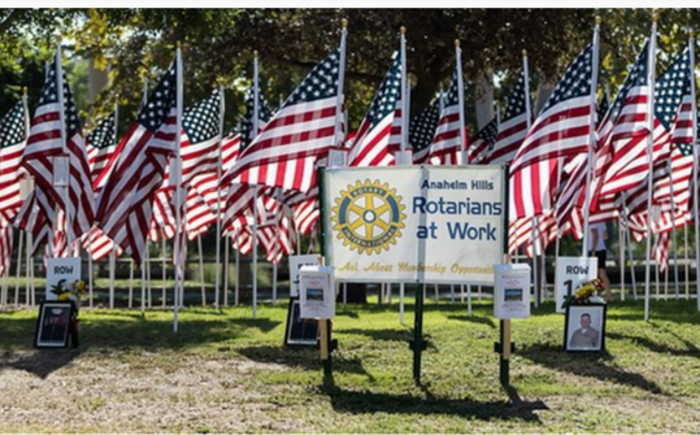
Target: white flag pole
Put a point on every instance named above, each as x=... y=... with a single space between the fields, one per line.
x=27 y=128
x=201 y=269
x=164 y=268
x=178 y=175
x=460 y=99
x=694 y=108
x=591 y=136
x=256 y=116
x=673 y=233
x=64 y=147
x=651 y=79
x=685 y=258
x=219 y=165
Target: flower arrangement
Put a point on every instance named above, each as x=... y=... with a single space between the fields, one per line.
x=70 y=292
x=586 y=294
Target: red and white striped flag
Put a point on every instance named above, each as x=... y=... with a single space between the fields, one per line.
x=101 y=144
x=562 y=129
x=514 y=125
x=56 y=119
x=447 y=142
x=13 y=138
x=371 y=144
x=125 y=205
x=285 y=152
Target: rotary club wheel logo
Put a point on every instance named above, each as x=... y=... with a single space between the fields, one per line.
x=368 y=217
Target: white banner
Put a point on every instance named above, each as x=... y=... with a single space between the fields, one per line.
x=570 y=274
x=441 y=224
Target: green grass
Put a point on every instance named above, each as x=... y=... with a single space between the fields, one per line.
x=225 y=372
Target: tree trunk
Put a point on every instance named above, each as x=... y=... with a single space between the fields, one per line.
x=483 y=94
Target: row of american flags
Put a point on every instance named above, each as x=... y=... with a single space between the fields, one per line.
x=580 y=159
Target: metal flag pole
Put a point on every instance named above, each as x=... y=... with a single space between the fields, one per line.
x=256 y=108
x=28 y=265
x=463 y=139
x=131 y=286
x=64 y=147
x=673 y=232
x=164 y=268
x=178 y=174
x=201 y=270
x=143 y=282
x=237 y=292
x=405 y=92
x=226 y=267
x=694 y=115
x=219 y=165
x=592 y=134
x=651 y=82
x=685 y=259
x=621 y=249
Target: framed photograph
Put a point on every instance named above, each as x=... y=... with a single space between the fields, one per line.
x=585 y=328
x=53 y=326
x=300 y=332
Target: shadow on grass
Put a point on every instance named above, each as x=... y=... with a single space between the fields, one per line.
x=599 y=366
x=40 y=363
x=307 y=359
x=366 y=402
x=380 y=334
x=122 y=332
x=690 y=348
x=475 y=319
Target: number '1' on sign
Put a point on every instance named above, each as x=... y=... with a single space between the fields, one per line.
x=571 y=273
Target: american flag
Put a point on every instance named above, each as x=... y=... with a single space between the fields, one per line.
x=447 y=142
x=562 y=130
x=13 y=137
x=513 y=127
x=622 y=157
x=126 y=201
x=199 y=145
x=563 y=127
x=44 y=146
x=285 y=152
x=483 y=143
x=101 y=144
x=422 y=131
x=672 y=113
x=371 y=144
x=265 y=113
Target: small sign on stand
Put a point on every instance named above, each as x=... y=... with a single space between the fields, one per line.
x=296 y=262
x=511 y=301
x=61 y=269
x=570 y=274
x=317 y=300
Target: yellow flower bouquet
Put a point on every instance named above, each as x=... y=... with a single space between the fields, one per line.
x=586 y=294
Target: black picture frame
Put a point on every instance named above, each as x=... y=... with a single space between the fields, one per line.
x=300 y=332
x=598 y=316
x=53 y=326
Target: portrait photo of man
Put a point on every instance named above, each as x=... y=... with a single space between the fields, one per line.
x=585 y=328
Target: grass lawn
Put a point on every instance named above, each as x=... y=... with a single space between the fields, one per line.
x=224 y=372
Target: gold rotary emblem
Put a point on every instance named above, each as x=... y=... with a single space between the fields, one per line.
x=368 y=216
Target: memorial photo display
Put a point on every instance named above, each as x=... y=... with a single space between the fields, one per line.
x=300 y=332
x=585 y=328
x=53 y=325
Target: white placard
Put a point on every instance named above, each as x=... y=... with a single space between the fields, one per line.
x=404 y=158
x=570 y=273
x=511 y=291
x=295 y=263
x=316 y=292
x=67 y=269
x=60 y=171
x=337 y=158
x=415 y=223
